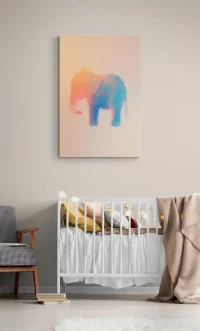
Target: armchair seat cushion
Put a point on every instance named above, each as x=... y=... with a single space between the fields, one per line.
x=17 y=256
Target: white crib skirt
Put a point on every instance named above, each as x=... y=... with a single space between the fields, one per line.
x=90 y=253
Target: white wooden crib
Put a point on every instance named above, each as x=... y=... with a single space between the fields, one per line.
x=134 y=258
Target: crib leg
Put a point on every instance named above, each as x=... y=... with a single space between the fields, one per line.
x=58 y=285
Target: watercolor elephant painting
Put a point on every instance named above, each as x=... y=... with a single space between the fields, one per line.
x=101 y=92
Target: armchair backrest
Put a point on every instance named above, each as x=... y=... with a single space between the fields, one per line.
x=8 y=226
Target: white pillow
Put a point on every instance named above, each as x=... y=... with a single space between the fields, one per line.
x=116 y=219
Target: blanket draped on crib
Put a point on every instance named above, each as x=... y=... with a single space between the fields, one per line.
x=181 y=277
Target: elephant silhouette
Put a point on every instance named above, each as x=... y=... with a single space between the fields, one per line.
x=101 y=92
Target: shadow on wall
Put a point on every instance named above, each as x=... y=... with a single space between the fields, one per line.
x=45 y=242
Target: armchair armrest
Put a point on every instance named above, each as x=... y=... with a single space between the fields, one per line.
x=31 y=232
x=28 y=230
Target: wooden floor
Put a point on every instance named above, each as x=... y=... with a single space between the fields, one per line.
x=24 y=314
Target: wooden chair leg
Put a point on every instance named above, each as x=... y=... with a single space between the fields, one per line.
x=35 y=279
x=16 y=283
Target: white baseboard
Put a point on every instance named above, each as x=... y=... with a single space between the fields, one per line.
x=29 y=289
x=92 y=289
x=88 y=289
x=42 y=289
x=84 y=289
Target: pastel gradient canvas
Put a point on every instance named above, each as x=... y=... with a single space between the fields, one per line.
x=99 y=96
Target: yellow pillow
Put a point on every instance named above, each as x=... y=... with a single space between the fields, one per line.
x=72 y=218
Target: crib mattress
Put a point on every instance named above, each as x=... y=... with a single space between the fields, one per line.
x=90 y=255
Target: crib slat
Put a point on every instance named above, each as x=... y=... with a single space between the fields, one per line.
x=154 y=216
x=138 y=239
x=157 y=239
x=103 y=237
x=121 y=268
x=147 y=226
x=112 y=257
x=94 y=236
x=59 y=224
x=129 y=241
x=67 y=234
x=76 y=248
x=85 y=244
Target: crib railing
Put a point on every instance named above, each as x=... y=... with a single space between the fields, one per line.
x=143 y=209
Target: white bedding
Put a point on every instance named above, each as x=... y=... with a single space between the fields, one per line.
x=136 y=259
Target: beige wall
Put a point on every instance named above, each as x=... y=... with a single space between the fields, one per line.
x=31 y=172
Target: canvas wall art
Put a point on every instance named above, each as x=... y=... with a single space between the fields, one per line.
x=99 y=94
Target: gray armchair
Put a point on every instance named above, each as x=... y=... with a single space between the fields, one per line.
x=15 y=258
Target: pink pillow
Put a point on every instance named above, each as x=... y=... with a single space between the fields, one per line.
x=90 y=207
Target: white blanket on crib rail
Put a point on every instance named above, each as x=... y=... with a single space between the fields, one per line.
x=138 y=260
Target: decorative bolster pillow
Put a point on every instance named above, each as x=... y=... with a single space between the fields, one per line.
x=72 y=218
x=134 y=222
x=117 y=218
